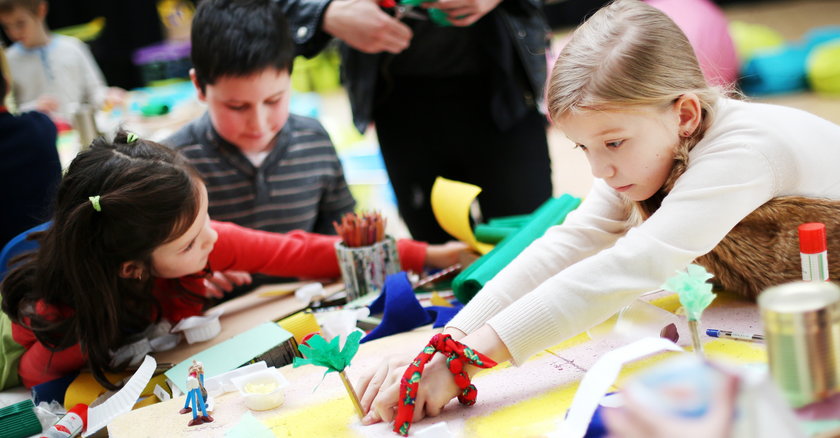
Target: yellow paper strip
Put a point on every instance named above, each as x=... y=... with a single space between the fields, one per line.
x=451 y=202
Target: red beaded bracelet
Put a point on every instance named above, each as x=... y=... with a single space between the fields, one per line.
x=457 y=355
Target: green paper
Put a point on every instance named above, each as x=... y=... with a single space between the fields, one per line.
x=320 y=353
x=472 y=279
x=492 y=234
x=19 y=420
x=694 y=291
x=516 y=221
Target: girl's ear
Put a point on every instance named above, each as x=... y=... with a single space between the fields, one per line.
x=198 y=90
x=690 y=114
x=132 y=270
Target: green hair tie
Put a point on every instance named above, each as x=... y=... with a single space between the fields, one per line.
x=94 y=200
x=132 y=137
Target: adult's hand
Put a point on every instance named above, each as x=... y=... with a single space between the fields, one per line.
x=463 y=12
x=364 y=26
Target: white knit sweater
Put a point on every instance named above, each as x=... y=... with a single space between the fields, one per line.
x=583 y=271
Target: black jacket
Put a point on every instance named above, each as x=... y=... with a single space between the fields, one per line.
x=519 y=80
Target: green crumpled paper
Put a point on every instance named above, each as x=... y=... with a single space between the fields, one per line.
x=693 y=289
x=320 y=353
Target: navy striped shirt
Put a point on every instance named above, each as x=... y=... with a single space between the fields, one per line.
x=299 y=186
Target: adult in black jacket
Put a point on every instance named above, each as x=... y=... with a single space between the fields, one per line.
x=458 y=101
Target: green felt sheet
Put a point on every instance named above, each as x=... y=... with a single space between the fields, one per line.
x=472 y=279
x=516 y=221
x=492 y=234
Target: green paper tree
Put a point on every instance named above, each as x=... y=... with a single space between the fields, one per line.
x=694 y=290
x=320 y=353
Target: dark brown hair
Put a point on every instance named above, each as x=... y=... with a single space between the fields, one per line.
x=148 y=195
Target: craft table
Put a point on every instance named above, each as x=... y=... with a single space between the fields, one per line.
x=512 y=401
x=239 y=315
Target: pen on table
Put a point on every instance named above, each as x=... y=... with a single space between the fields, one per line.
x=715 y=333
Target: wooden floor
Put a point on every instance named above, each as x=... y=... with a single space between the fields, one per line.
x=791 y=18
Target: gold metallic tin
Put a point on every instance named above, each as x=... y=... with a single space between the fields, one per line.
x=802 y=328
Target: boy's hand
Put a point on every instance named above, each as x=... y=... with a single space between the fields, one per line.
x=114 y=97
x=47 y=104
x=225 y=281
x=442 y=256
x=364 y=26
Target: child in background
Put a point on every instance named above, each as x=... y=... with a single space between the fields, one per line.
x=52 y=73
x=29 y=166
x=264 y=168
x=131 y=243
x=682 y=173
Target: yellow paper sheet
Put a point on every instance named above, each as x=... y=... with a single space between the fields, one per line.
x=438 y=300
x=451 y=202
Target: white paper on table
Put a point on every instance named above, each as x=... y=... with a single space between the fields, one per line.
x=437 y=430
x=223 y=383
x=340 y=323
x=121 y=402
x=600 y=378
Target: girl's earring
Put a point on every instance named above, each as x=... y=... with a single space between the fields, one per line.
x=139 y=275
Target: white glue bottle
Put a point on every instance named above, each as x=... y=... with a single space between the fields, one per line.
x=813 y=251
x=70 y=425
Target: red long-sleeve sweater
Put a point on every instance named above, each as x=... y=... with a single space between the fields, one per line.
x=294 y=254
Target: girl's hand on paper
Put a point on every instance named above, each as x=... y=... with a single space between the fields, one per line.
x=637 y=420
x=381 y=393
x=224 y=281
x=448 y=254
x=378 y=389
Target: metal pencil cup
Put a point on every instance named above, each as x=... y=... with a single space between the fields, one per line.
x=802 y=332
x=364 y=268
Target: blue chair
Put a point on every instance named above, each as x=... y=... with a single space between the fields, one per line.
x=18 y=245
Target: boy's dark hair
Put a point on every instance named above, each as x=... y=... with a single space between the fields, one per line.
x=7 y=6
x=148 y=195
x=238 y=38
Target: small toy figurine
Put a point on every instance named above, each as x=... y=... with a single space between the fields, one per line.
x=196 y=395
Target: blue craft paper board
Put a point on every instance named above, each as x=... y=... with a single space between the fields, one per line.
x=231 y=354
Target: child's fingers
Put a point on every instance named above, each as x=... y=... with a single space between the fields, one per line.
x=370 y=387
x=419 y=409
x=385 y=402
x=239 y=277
x=371 y=418
x=211 y=290
x=432 y=409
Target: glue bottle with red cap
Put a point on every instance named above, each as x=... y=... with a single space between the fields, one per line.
x=813 y=251
x=70 y=425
